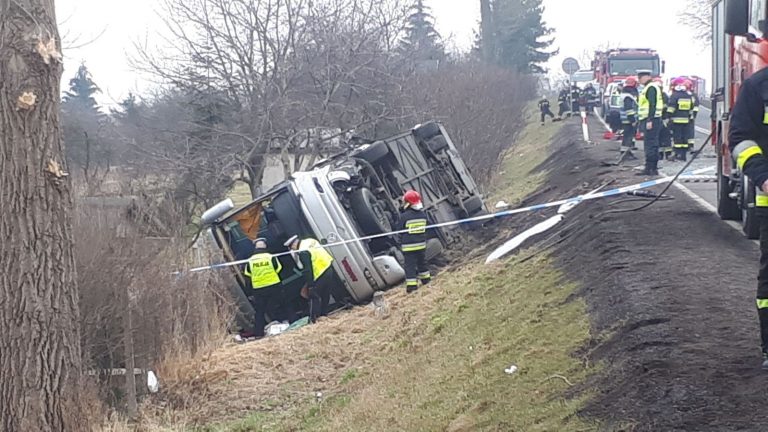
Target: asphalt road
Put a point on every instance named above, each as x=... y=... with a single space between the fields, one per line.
x=703 y=189
x=706 y=191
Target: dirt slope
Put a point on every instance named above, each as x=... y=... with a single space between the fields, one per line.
x=671 y=294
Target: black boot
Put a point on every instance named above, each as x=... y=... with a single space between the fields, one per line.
x=765 y=361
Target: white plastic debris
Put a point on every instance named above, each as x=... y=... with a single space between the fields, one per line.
x=510 y=370
x=153 y=384
x=275 y=328
x=539 y=228
x=519 y=239
x=501 y=205
x=565 y=208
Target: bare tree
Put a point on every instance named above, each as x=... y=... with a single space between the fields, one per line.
x=39 y=331
x=287 y=66
x=697 y=15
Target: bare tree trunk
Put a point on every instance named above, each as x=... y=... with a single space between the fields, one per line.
x=39 y=332
x=486 y=30
x=285 y=160
x=130 y=363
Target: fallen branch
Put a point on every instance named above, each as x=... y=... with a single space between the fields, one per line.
x=557 y=376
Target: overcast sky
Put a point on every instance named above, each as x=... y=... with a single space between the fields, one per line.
x=579 y=26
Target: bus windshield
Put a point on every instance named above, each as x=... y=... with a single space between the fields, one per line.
x=630 y=66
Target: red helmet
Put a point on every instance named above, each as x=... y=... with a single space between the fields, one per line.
x=412 y=197
x=688 y=84
x=630 y=82
x=677 y=82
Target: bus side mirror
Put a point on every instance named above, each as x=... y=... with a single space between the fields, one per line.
x=737 y=17
x=663 y=66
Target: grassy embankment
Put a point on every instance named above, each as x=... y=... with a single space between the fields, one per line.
x=436 y=363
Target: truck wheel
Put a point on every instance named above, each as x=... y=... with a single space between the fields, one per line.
x=727 y=208
x=749 y=223
x=369 y=213
x=427 y=131
x=434 y=249
x=437 y=144
x=374 y=152
x=473 y=205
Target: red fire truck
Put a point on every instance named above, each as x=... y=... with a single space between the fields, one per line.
x=739 y=49
x=620 y=63
x=616 y=65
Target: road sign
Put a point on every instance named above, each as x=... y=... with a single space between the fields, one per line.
x=570 y=65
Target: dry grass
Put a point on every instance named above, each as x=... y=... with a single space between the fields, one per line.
x=279 y=373
x=517 y=178
x=436 y=362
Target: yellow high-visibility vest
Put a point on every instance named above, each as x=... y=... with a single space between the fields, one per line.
x=644 y=105
x=321 y=258
x=262 y=272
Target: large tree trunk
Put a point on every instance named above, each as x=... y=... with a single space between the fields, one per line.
x=39 y=333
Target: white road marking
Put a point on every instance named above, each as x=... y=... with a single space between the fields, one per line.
x=599 y=117
x=709 y=207
x=702 y=130
x=585 y=126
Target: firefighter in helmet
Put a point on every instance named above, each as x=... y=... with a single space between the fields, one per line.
x=413 y=242
x=748 y=141
x=679 y=115
x=545 y=110
x=629 y=116
x=665 y=136
x=562 y=102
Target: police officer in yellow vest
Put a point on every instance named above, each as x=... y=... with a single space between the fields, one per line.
x=649 y=113
x=263 y=270
x=315 y=262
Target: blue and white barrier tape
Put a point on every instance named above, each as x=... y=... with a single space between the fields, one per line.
x=537 y=207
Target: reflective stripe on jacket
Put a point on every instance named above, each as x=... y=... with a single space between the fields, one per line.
x=321 y=258
x=680 y=106
x=262 y=271
x=644 y=105
x=415 y=221
x=625 y=112
x=742 y=153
